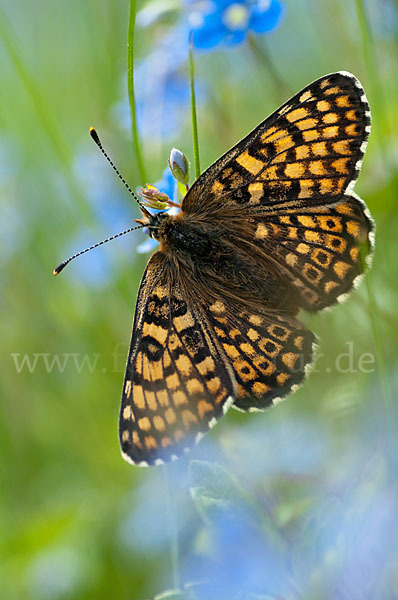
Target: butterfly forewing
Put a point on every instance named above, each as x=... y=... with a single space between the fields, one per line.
x=306 y=151
x=176 y=385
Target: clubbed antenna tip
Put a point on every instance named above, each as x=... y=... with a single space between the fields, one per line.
x=95 y=136
x=58 y=269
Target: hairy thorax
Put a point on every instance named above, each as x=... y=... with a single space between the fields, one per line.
x=217 y=260
x=185 y=237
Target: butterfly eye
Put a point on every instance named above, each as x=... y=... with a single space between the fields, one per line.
x=154 y=224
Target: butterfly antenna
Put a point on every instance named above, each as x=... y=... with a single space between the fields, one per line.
x=63 y=264
x=96 y=139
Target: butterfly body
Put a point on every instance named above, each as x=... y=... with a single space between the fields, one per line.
x=185 y=237
x=270 y=228
x=213 y=257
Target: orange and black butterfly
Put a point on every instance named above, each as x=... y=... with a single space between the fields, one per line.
x=272 y=227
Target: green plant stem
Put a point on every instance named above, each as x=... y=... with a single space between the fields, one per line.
x=260 y=52
x=131 y=92
x=195 y=138
x=171 y=518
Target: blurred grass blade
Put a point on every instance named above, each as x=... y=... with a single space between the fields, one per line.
x=131 y=92
x=173 y=595
x=49 y=125
x=282 y=92
x=44 y=114
x=214 y=490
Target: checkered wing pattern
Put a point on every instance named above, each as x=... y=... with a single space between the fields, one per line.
x=287 y=232
x=269 y=356
x=307 y=152
x=319 y=249
x=293 y=178
x=177 y=384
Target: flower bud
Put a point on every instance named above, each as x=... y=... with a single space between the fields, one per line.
x=179 y=166
x=154 y=198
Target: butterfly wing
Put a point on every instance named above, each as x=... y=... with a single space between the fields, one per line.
x=186 y=366
x=177 y=383
x=320 y=249
x=292 y=178
x=308 y=150
x=270 y=356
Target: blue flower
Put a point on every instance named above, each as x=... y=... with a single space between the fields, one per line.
x=162 y=98
x=162 y=89
x=168 y=185
x=229 y=22
x=109 y=206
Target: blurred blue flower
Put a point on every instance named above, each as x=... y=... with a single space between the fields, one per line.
x=160 y=101
x=229 y=21
x=145 y=527
x=284 y=513
x=110 y=207
x=56 y=572
x=161 y=87
x=168 y=185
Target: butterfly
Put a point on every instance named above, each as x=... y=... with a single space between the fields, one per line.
x=272 y=227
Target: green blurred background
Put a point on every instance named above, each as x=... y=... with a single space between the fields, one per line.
x=67 y=497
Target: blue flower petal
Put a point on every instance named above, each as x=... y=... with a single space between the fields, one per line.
x=223 y=4
x=235 y=37
x=263 y=20
x=215 y=28
x=210 y=33
x=167 y=184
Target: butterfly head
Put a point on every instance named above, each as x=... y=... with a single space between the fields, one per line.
x=153 y=222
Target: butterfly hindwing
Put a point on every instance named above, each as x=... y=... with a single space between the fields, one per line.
x=176 y=385
x=320 y=248
x=270 y=356
x=309 y=149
